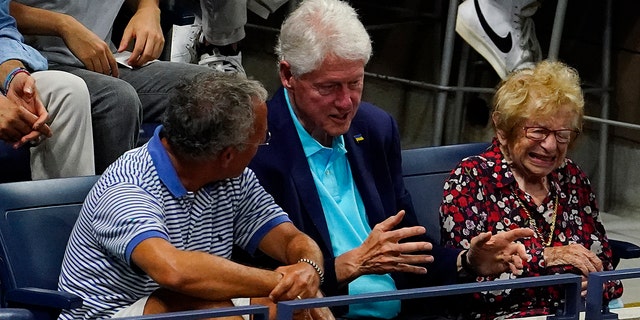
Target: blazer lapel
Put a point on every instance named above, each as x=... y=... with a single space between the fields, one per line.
x=356 y=142
x=297 y=161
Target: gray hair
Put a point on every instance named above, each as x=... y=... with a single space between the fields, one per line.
x=319 y=28
x=209 y=112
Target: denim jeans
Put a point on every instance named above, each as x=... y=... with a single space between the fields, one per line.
x=222 y=20
x=120 y=105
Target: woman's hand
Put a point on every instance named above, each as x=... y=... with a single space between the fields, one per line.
x=574 y=254
x=493 y=254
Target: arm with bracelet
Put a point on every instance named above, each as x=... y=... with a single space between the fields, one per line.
x=303 y=273
x=23 y=114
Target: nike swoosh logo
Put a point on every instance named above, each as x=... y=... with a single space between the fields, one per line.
x=503 y=43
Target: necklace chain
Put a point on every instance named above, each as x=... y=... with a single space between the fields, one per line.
x=532 y=223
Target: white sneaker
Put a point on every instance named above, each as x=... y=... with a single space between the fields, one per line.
x=222 y=63
x=502 y=31
x=183 y=43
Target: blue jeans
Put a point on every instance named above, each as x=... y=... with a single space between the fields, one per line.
x=120 y=105
x=222 y=21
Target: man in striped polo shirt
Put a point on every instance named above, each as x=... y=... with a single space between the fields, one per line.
x=156 y=232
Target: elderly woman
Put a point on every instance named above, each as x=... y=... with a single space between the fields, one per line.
x=525 y=180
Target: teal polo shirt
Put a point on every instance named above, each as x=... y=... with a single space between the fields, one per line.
x=345 y=215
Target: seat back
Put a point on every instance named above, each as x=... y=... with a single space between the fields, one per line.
x=424 y=171
x=37 y=218
x=14 y=163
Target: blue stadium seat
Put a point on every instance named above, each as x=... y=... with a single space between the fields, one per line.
x=425 y=170
x=15 y=165
x=37 y=218
x=16 y=314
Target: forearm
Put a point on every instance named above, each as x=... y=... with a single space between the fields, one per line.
x=36 y=21
x=200 y=274
x=347 y=267
x=215 y=278
x=302 y=246
x=288 y=245
x=7 y=66
x=304 y=269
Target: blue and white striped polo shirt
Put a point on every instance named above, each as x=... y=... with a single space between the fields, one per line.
x=140 y=197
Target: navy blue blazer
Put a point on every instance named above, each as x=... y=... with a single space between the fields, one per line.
x=374 y=155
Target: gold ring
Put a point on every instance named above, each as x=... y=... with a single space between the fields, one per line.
x=298 y=297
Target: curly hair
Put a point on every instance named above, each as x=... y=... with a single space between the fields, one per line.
x=537 y=92
x=209 y=112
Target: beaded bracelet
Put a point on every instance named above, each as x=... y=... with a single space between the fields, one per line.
x=315 y=266
x=10 y=76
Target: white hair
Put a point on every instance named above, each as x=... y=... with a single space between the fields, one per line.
x=321 y=28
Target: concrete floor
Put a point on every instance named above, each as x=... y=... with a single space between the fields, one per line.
x=625 y=227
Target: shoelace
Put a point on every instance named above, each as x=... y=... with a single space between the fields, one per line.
x=220 y=62
x=528 y=40
x=195 y=32
x=222 y=66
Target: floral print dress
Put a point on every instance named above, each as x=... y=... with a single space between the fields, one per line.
x=482 y=195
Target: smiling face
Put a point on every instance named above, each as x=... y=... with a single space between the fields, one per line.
x=326 y=99
x=533 y=159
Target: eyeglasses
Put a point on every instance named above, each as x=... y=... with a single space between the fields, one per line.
x=540 y=134
x=267 y=138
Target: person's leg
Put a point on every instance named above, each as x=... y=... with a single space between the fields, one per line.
x=116 y=114
x=154 y=82
x=69 y=152
x=222 y=29
x=164 y=301
x=223 y=21
x=185 y=37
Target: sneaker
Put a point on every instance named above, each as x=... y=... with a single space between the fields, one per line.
x=502 y=31
x=222 y=63
x=184 y=41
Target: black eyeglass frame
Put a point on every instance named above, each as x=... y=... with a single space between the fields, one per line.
x=266 y=140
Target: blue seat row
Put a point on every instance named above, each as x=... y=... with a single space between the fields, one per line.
x=15 y=166
x=426 y=169
x=37 y=218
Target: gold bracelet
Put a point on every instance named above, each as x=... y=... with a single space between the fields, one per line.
x=315 y=266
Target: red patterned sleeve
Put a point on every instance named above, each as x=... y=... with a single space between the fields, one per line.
x=593 y=232
x=459 y=221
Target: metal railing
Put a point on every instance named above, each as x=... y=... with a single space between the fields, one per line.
x=259 y=312
x=570 y=310
x=595 y=309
